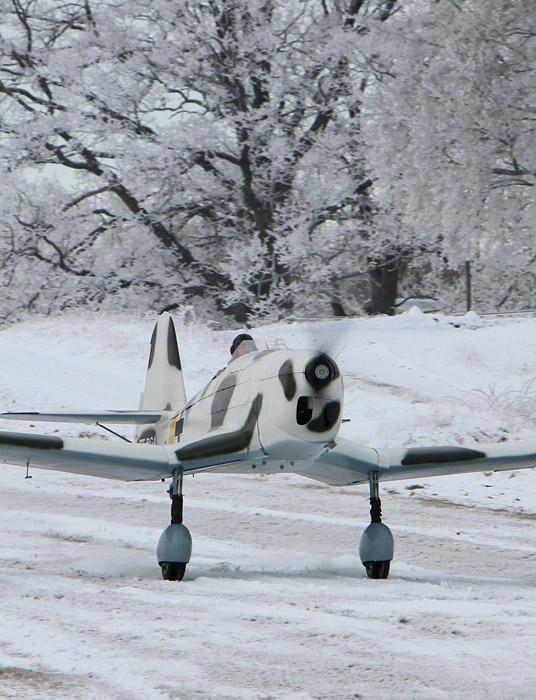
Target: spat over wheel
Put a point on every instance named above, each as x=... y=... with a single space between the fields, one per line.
x=377 y=569
x=173 y=571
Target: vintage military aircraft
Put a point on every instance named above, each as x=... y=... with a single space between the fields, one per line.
x=267 y=411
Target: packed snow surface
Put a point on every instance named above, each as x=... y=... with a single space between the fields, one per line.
x=275 y=603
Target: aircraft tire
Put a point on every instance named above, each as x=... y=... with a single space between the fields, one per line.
x=173 y=571
x=377 y=569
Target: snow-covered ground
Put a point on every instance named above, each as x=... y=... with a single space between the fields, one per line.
x=275 y=603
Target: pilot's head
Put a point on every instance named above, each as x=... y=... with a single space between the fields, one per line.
x=241 y=345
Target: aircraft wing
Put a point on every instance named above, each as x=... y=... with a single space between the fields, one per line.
x=109 y=459
x=349 y=462
x=92 y=417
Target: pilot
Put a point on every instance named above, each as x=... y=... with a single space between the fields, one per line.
x=242 y=345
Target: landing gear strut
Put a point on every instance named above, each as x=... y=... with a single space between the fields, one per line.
x=175 y=544
x=376 y=548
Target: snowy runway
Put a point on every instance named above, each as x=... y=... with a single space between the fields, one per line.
x=275 y=603
x=272 y=606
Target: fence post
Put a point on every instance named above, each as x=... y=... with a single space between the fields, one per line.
x=468 y=286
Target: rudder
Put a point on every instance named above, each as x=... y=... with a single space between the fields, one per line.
x=164 y=384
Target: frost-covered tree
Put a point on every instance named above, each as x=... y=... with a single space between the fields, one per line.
x=185 y=150
x=450 y=138
x=263 y=157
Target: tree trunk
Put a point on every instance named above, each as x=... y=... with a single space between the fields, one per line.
x=337 y=307
x=384 y=275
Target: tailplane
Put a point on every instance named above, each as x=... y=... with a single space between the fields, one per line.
x=163 y=398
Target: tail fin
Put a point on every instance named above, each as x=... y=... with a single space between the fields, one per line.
x=164 y=385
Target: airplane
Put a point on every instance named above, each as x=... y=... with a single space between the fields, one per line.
x=266 y=412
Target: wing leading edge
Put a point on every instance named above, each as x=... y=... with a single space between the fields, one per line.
x=351 y=463
x=345 y=464
x=109 y=459
x=123 y=460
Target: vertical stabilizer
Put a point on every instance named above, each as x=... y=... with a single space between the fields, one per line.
x=164 y=386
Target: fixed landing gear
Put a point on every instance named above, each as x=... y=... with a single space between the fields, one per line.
x=171 y=571
x=175 y=544
x=376 y=548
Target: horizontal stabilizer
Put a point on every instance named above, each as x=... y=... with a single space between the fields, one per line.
x=109 y=459
x=90 y=417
